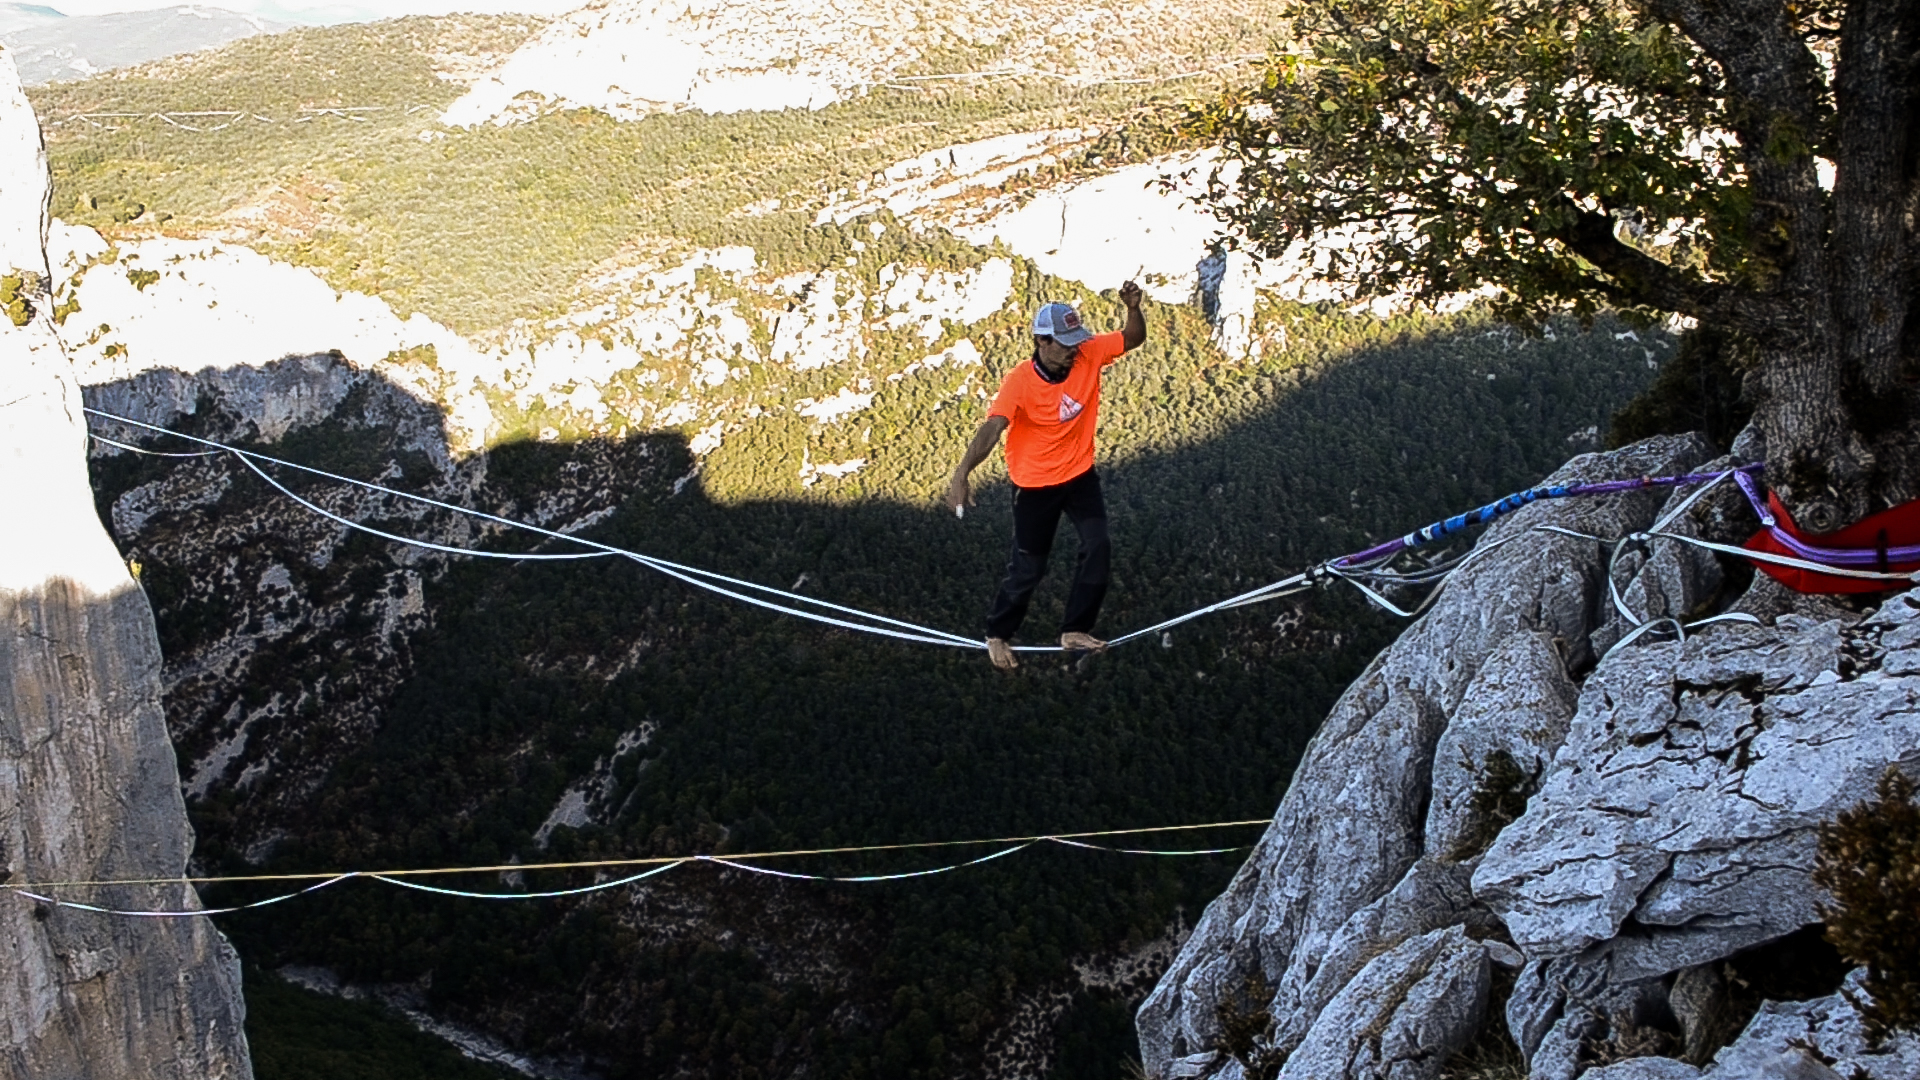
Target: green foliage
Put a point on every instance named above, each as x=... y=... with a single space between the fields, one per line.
x=1570 y=154
x=1699 y=389
x=69 y=305
x=1870 y=862
x=14 y=290
x=297 y=1034
x=140 y=279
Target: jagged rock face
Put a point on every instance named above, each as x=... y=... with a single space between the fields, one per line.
x=1803 y=1040
x=1678 y=823
x=88 y=788
x=1687 y=794
x=1622 y=818
x=1355 y=819
x=1414 y=1004
x=90 y=792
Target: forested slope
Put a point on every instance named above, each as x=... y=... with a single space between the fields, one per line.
x=424 y=711
x=749 y=732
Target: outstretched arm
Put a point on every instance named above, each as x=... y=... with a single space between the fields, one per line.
x=1134 y=334
x=984 y=440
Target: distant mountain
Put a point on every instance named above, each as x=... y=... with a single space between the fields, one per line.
x=48 y=46
x=20 y=16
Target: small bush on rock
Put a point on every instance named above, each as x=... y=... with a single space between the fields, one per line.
x=1246 y=1029
x=1870 y=861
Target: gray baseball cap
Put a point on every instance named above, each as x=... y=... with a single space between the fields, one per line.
x=1061 y=323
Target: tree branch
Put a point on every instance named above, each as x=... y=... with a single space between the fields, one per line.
x=1777 y=113
x=1642 y=280
x=1767 y=65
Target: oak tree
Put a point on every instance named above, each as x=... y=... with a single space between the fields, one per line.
x=1750 y=164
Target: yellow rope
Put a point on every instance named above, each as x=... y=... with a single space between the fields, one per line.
x=601 y=863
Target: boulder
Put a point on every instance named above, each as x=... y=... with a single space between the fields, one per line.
x=1432 y=896
x=1679 y=821
x=1798 y=1039
x=1403 y=1016
x=1822 y=1039
x=1483 y=754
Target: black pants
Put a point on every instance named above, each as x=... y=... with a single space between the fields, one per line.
x=1036 y=516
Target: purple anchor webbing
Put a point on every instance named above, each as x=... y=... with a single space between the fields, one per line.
x=1519 y=499
x=1830 y=556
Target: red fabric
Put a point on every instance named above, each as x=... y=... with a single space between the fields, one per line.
x=1902 y=529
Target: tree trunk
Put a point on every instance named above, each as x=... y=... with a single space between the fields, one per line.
x=1840 y=404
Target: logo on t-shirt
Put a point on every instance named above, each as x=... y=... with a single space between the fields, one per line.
x=1069 y=408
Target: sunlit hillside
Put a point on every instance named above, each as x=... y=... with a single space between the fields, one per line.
x=334 y=157
x=755 y=341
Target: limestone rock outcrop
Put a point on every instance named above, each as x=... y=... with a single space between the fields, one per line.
x=1615 y=821
x=88 y=787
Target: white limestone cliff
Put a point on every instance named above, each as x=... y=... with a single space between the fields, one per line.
x=88 y=787
x=1672 y=796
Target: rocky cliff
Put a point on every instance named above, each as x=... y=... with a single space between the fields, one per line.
x=88 y=787
x=1507 y=823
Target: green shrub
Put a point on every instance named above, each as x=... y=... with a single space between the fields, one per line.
x=1870 y=861
x=13 y=296
x=1246 y=1029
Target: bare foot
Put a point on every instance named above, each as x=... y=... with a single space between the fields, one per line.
x=1001 y=653
x=1075 y=641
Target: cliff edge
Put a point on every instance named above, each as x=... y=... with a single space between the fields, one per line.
x=1510 y=833
x=88 y=785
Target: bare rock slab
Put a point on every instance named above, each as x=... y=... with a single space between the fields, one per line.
x=1405 y=1014
x=88 y=785
x=1679 y=820
x=1357 y=815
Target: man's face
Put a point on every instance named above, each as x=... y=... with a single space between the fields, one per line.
x=1054 y=356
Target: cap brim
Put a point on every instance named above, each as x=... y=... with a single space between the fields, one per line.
x=1074 y=337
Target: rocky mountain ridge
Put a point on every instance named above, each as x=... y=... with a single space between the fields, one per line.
x=294 y=615
x=670 y=341
x=1629 y=831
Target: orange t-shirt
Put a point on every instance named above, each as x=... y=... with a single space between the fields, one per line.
x=1050 y=425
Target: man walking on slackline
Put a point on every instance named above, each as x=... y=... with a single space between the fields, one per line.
x=1052 y=404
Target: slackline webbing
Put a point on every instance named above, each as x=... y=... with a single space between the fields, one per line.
x=37 y=892
x=1362 y=570
x=1358 y=569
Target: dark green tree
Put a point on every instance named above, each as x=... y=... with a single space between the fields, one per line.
x=1750 y=164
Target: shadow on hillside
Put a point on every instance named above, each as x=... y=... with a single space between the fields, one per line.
x=762 y=732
